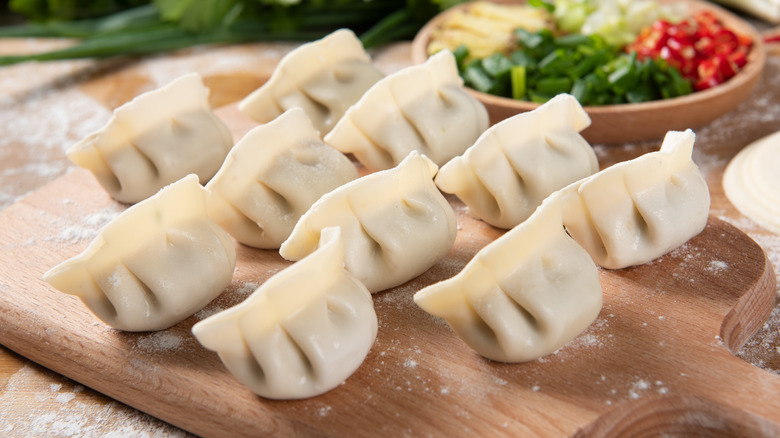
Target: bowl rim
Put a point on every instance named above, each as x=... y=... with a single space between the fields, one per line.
x=753 y=68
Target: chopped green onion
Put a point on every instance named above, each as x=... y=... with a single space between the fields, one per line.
x=518 y=82
x=553 y=86
x=476 y=77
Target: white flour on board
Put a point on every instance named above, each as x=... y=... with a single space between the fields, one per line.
x=39 y=122
x=157 y=342
x=68 y=410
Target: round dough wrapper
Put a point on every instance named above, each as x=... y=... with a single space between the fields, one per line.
x=752 y=182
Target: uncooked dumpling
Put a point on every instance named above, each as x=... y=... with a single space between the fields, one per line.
x=323 y=77
x=154 y=140
x=396 y=224
x=271 y=177
x=524 y=295
x=423 y=108
x=302 y=332
x=155 y=264
x=520 y=161
x=636 y=211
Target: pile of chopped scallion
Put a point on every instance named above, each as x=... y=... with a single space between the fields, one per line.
x=583 y=65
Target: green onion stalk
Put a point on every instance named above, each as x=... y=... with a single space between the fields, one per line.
x=135 y=27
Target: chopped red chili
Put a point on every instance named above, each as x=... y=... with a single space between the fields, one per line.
x=702 y=48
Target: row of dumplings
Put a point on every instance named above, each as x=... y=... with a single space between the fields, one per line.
x=283 y=186
x=164 y=135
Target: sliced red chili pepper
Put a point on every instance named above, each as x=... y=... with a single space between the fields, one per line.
x=706 y=20
x=701 y=48
x=739 y=58
x=724 y=42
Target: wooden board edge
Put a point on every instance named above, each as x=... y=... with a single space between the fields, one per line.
x=673 y=415
x=751 y=310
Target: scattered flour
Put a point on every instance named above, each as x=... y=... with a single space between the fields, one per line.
x=209 y=311
x=247 y=288
x=717 y=266
x=67 y=410
x=39 y=123
x=65 y=397
x=637 y=388
x=763 y=348
x=410 y=363
x=160 y=341
x=89 y=228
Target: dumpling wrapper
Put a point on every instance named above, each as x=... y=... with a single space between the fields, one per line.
x=271 y=177
x=638 y=210
x=155 y=264
x=751 y=181
x=522 y=296
x=423 y=108
x=396 y=224
x=154 y=140
x=520 y=161
x=302 y=332
x=323 y=77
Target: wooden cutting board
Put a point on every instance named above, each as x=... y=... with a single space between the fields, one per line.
x=657 y=359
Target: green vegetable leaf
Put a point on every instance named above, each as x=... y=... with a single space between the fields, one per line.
x=34 y=9
x=552 y=86
x=66 y=10
x=497 y=66
x=522 y=58
x=542 y=4
x=197 y=16
x=477 y=78
x=173 y=10
x=461 y=53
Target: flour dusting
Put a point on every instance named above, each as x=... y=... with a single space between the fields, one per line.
x=717 y=266
x=209 y=311
x=89 y=227
x=160 y=341
x=39 y=122
x=66 y=410
x=247 y=288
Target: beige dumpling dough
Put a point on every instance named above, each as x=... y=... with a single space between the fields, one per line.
x=524 y=295
x=154 y=140
x=752 y=182
x=271 y=177
x=638 y=210
x=323 y=77
x=396 y=224
x=423 y=108
x=302 y=332
x=517 y=163
x=155 y=264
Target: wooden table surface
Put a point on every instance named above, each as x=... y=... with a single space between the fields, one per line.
x=44 y=108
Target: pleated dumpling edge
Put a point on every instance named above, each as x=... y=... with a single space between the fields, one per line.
x=302 y=332
x=522 y=296
x=154 y=265
x=638 y=210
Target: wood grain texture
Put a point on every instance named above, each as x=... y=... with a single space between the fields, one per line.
x=666 y=332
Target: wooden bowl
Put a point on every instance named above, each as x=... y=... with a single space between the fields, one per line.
x=638 y=121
